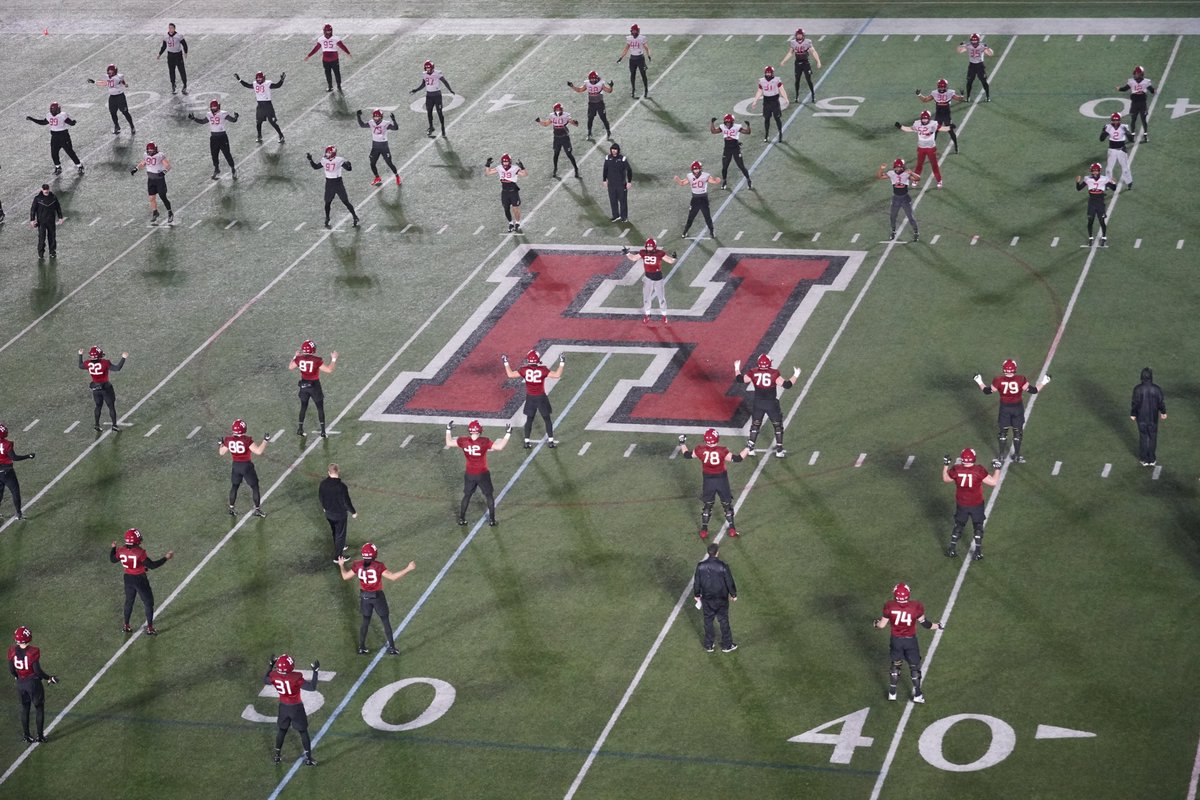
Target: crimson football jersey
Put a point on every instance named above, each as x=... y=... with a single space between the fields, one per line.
x=1010 y=389
x=968 y=484
x=239 y=446
x=98 y=369
x=652 y=261
x=904 y=617
x=6 y=450
x=288 y=686
x=23 y=660
x=309 y=367
x=534 y=376
x=763 y=381
x=712 y=458
x=370 y=576
x=132 y=559
x=476 y=452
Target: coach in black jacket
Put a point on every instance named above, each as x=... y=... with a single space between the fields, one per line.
x=1146 y=409
x=713 y=588
x=45 y=214
x=335 y=500
x=618 y=177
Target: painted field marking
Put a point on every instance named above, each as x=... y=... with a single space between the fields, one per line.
x=298 y=227
x=442 y=229
x=550 y=232
x=1014 y=241
x=738 y=235
x=1056 y=468
x=150 y=432
x=478 y=230
x=816 y=236
x=29 y=427
x=409 y=225
x=587 y=233
x=974 y=240
x=71 y=427
x=909 y=461
x=1107 y=469
x=407 y=439
x=195 y=430
x=934 y=240
x=1179 y=245
x=365 y=436
x=1137 y=244
x=197 y=222
x=813 y=458
x=1054 y=242
x=231 y=224
x=584 y=449
x=861 y=458
x=854 y=238
x=371 y=227
x=93 y=222
x=1156 y=472
x=264 y=225
x=775 y=238
x=629 y=450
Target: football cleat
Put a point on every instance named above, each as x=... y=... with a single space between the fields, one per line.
x=552 y=443
x=729 y=649
x=300 y=430
x=710 y=649
x=952 y=551
x=150 y=631
x=126 y=629
x=276 y=757
x=978 y=553
x=780 y=452
x=997 y=463
x=733 y=533
x=232 y=512
x=309 y=761
x=704 y=533
x=362 y=651
x=392 y=651
x=919 y=698
x=1016 y=459
x=377 y=181
x=891 y=695
x=258 y=512
x=462 y=521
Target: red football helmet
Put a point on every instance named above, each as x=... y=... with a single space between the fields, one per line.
x=729 y=119
x=901 y=593
x=505 y=159
x=22 y=635
x=533 y=357
x=377 y=114
x=214 y=106
x=799 y=34
x=112 y=70
x=133 y=537
x=697 y=166
x=924 y=116
x=1138 y=72
x=474 y=427
x=238 y=427
x=3 y=431
x=558 y=108
x=634 y=30
x=151 y=148
x=898 y=163
x=330 y=151
x=1115 y=117
x=259 y=77
x=308 y=347
x=428 y=66
x=768 y=70
x=967 y=457
x=593 y=76
x=95 y=353
x=974 y=38
x=1095 y=168
x=328 y=29
x=711 y=436
x=764 y=361
x=55 y=108
x=651 y=245
x=284 y=664
x=369 y=551
x=942 y=85
x=1009 y=367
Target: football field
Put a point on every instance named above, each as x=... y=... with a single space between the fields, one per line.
x=558 y=654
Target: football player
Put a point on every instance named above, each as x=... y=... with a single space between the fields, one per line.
x=157 y=165
x=116 y=85
x=942 y=97
x=976 y=49
x=713 y=457
x=370 y=572
x=1138 y=87
x=379 y=142
x=698 y=180
x=1011 y=388
x=595 y=89
x=926 y=130
x=431 y=81
x=1096 y=184
x=282 y=675
x=60 y=136
x=902 y=180
x=311 y=366
x=8 y=475
x=218 y=137
x=333 y=164
x=770 y=90
x=25 y=664
x=98 y=367
x=969 y=479
x=175 y=46
x=242 y=447
x=559 y=120
x=766 y=381
x=639 y=55
x=802 y=48
x=475 y=447
x=265 y=112
x=731 y=132
x=653 y=283
x=329 y=45
x=535 y=373
x=903 y=614
x=510 y=192
x=1118 y=135
x=135 y=561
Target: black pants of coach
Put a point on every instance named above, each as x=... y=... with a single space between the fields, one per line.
x=47 y=232
x=337 y=527
x=8 y=480
x=218 y=143
x=175 y=62
x=139 y=586
x=718 y=608
x=1147 y=442
x=60 y=141
x=618 y=198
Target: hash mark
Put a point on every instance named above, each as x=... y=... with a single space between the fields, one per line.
x=585 y=447
x=298 y=227
x=816 y=236
x=442 y=230
x=1014 y=241
x=662 y=234
x=373 y=226
x=552 y=229
x=407 y=439
x=1107 y=469
x=935 y=238
x=759 y=39
x=1057 y=467
x=775 y=238
x=1179 y=245
x=93 y=222
x=1046 y=38
x=909 y=462
x=231 y=224
x=1079 y=38
x=813 y=460
x=629 y=450
x=278 y=434
x=150 y=432
x=1157 y=471
x=406 y=227
x=624 y=233
x=1054 y=242
x=73 y=424
x=1137 y=243
x=264 y=225
x=667 y=38
x=974 y=239
x=885 y=38
x=195 y=430
x=738 y=236
x=478 y=230
x=861 y=458
x=588 y=232
x=365 y=436
x=730 y=36
x=917 y=38
x=854 y=238
x=30 y=425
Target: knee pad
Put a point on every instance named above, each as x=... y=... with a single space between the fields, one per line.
x=707 y=508
x=727 y=506
x=915 y=674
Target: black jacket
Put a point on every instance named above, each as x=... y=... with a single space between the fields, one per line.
x=713 y=580
x=1148 y=402
x=45 y=209
x=335 y=498
x=618 y=169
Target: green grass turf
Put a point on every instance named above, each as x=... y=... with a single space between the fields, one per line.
x=1073 y=620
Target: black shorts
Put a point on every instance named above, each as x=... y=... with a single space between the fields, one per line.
x=537 y=403
x=718 y=486
x=510 y=194
x=771 y=104
x=803 y=66
x=964 y=513
x=293 y=715
x=1096 y=205
x=941 y=115
x=373 y=602
x=976 y=70
x=265 y=111
x=312 y=390
x=482 y=481
x=768 y=407
x=244 y=470
x=905 y=648
x=156 y=183
x=433 y=100
x=118 y=102
x=1012 y=415
x=637 y=62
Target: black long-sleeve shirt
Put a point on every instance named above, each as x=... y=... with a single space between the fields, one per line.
x=335 y=498
x=45 y=209
x=617 y=169
x=713 y=580
x=1148 y=402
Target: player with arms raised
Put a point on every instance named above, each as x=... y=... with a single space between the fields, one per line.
x=333 y=164
x=311 y=366
x=379 y=142
x=902 y=179
x=942 y=97
x=265 y=110
x=766 y=381
x=1097 y=184
x=904 y=614
x=370 y=572
x=969 y=479
x=1139 y=87
x=713 y=458
x=218 y=136
x=157 y=165
x=772 y=93
x=653 y=285
x=976 y=49
x=242 y=447
x=510 y=191
x=926 y=130
x=60 y=137
x=281 y=674
x=475 y=447
x=103 y=393
x=731 y=132
x=24 y=664
x=595 y=89
x=1011 y=387
x=559 y=120
x=535 y=373
x=329 y=45
x=698 y=180
x=135 y=561
x=8 y=475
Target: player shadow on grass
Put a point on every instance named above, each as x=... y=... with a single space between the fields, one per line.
x=452 y=163
x=689 y=131
x=161 y=263
x=46 y=292
x=394 y=209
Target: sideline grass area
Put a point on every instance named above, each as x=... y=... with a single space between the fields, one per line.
x=1073 y=620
